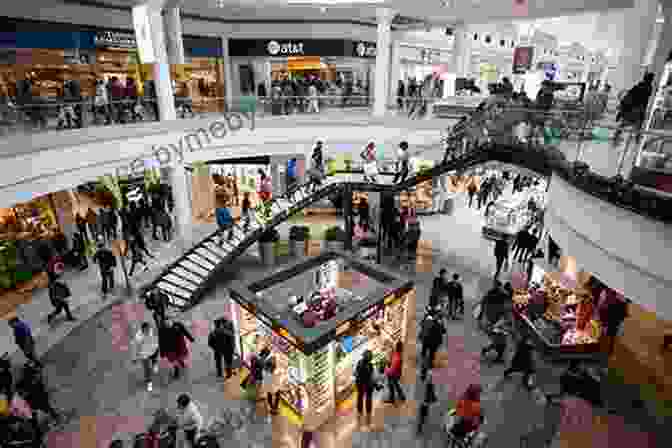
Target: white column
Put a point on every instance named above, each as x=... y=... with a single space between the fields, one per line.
x=395 y=71
x=637 y=27
x=148 y=22
x=385 y=17
x=174 y=42
x=465 y=57
x=182 y=197
x=228 y=78
x=458 y=54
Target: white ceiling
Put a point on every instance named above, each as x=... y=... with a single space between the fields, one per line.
x=469 y=11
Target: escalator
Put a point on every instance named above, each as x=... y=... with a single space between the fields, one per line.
x=186 y=280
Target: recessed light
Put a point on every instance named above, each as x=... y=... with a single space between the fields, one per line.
x=323 y=9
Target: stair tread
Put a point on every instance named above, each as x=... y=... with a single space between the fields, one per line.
x=172 y=289
x=191 y=266
x=199 y=259
x=180 y=282
x=188 y=275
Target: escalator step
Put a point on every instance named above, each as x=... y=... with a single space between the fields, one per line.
x=182 y=283
x=208 y=255
x=193 y=267
x=212 y=247
x=198 y=259
x=195 y=279
x=172 y=289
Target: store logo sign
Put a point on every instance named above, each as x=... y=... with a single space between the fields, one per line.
x=275 y=48
x=365 y=50
x=113 y=39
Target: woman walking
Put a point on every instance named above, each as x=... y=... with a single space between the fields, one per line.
x=370 y=165
x=393 y=374
x=176 y=346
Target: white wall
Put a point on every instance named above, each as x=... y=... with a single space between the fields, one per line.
x=625 y=250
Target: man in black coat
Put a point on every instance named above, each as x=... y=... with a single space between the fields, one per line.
x=222 y=343
x=520 y=244
x=431 y=337
x=501 y=255
x=522 y=361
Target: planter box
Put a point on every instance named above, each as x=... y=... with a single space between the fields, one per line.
x=267 y=253
x=298 y=248
x=333 y=245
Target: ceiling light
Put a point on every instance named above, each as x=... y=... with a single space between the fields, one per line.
x=323 y=9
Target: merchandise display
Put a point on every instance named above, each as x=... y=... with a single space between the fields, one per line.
x=315 y=361
x=563 y=317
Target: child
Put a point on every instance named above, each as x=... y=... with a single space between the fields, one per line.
x=429 y=398
x=246 y=211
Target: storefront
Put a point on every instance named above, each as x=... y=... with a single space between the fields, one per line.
x=318 y=318
x=50 y=54
x=262 y=61
x=419 y=62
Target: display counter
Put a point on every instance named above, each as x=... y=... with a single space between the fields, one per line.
x=561 y=319
x=318 y=317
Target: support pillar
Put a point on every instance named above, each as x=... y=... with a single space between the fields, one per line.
x=638 y=26
x=348 y=216
x=458 y=53
x=663 y=47
x=148 y=23
x=228 y=78
x=174 y=42
x=181 y=196
x=395 y=72
x=381 y=82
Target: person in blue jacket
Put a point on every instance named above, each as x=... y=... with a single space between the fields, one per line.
x=224 y=219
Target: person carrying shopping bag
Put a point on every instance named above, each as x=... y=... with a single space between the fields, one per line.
x=370 y=165
x=189 y=420
x=147 y=350
x=393 y=374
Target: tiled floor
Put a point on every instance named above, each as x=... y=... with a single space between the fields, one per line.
x=91 y=369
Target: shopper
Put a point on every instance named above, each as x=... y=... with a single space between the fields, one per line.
x=498 y=338
x=92 y=222
x=157 y=302
x=501 y=255
x=107 y=262
x=368 y=156
x=365 y=386
x=531 y=245
x=147 y=344
x=468 y=412
x=59 y=293
x=189 y=419
x=81 y=225
x=493 y=303
x=23 y=338
x=520 y=244
x=483 y=194
x=32 y=389
x=455 y=297
x=393 y=374
x=403 y=163
x=632 y=108
x=522 y=362
x=317 y=164
x=177 y=349
x=79 y=251
x=222 y=342
x=439 y=289
x=429 y=398
x=137 y=257
x=471 y=191
x=265 y=189
x=431 y=337
x=164 y=223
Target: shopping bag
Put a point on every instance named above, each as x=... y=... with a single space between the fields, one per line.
x=20 y=408
x=4 y=406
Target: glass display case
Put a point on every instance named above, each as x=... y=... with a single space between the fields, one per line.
x=315 y=363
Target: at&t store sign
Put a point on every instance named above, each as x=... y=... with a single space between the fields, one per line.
x=275 y=48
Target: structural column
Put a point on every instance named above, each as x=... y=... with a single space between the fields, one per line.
x=395 y=71
x=150 y=35
x=381 y=82
x=174 y=41
x=638 y=24
x=664 y=44
x=457 y=54
x=180 y=184
x=228 y=78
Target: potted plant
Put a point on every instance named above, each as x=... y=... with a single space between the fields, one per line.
x=267 y=242
x=334 y=238
x=298 y=238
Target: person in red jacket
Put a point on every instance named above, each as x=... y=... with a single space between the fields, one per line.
x=393 y=373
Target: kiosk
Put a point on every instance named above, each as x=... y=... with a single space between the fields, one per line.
x=318 y=317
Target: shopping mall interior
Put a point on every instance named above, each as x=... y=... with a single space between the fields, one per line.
x=434 y=223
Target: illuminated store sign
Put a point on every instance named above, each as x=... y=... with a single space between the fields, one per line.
x=301 y=47
x=274 y=48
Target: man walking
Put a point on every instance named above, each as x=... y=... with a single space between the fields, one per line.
x=431 y=337
x=23 y=338
x=521 y=244
x=222 y=343
x=157 y=302
x=402 y=163
x=501 y=255
x=455 y=297
x=471 y=191
x=107 y=262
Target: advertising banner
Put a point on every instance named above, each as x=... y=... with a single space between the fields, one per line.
x=522 y=59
